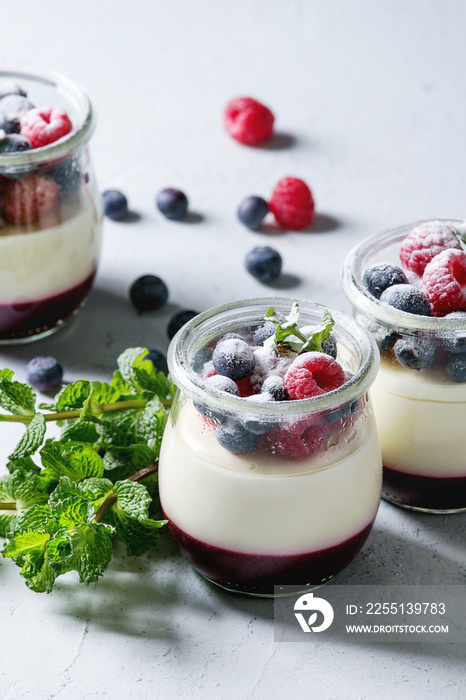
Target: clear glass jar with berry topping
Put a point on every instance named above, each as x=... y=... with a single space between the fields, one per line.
x=419 y=394
x=263 y=490
x=50 y=207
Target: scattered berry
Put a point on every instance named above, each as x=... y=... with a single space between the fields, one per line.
x=172 y=203
x=381 y=276
x=158 y=359
x=274 y=385
x=424 y=243
x=28 y=198
x=9 y=87
x=233 y=358
x=115 y=204
x=292 y=204
x=15 y=106
x=408 y=298
x=312 y=374
x=415 y=352
x=235 y=438
x=44 y=126
x=444 y=282
x=44 y=373
x=252 y=211
x=148 y=293
x=178 y=320
x=264 y=263
x=456 y=368
x=248 y=121
x=14 y=143
x=263 y=332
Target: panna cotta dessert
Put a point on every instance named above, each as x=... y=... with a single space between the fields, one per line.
x=270 y=465
x=50 y=207
x=408 y=287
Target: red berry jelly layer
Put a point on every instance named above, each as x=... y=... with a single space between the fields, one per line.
x=259 y=573
x=30 y=318
x=429 y=492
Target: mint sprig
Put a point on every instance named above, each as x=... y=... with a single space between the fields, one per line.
x=65 y=499
x=289 y=338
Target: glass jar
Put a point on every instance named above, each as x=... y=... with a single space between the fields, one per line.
x=420 y=410
x=276 y=515
x=50 y=214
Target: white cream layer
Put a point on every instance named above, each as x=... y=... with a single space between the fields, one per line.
x=267 y=504
x=421 y=418
x=37 y=264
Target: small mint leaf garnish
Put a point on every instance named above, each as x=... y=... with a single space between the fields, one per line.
x=289 y=338
x=314 y=341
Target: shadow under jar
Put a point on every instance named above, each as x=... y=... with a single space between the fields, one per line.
x=271 y=516
x=420 y=413
x=50 y=216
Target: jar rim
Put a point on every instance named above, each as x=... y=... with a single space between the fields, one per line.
x=360 y=298
x=80 y=133
x=206 y=325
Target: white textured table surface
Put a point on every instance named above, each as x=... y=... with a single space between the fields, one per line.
x=370 y=100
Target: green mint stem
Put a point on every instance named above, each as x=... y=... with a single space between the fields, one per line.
x=8 y=505
x=112 y=498
x=69 y=415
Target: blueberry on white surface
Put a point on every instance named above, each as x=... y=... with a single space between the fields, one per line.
x=252 y=211
x=14 y=143
x=115 y=204
x=233 y=358
x=264 y=263
x=172 y=203
x=148 y=293
x=415 y=352
x=158 y=359
x=456 y=368
x=379 y=277
x=178 y=320
x=235 y=438
x=408 y=298
x=44 y=373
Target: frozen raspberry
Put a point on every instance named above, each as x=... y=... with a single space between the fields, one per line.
x=424 y=243
x=248 y=121
x=292 y=204
x=298 y=440
x=312 y=374
x=44 y=126
x=28 y=198
x=444 y=282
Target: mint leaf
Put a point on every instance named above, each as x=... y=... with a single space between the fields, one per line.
x=15 y=397
x=73 y=396
x=314 y=341
x=289 y=338
x=74 y=461
x=121 y=462
x=84 y=548
x=18 y=491
x=31 y=439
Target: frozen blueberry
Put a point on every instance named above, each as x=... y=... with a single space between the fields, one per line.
x=235 y=438
x=381 y=276
x=9 y=87
x=415 y=352
x=455 y=343
x=148 y=293
x=15 y=106
x=172 y=203
x=158 y=359
x=257 y=424
x=68 y=176
x=274 y=386
x=252 y=211
x=408 y=298
x=201 y=358
x=217 y=383
x=384 y=337
x=456 y=368
x=14 y=143
x=228 y=336
x=329 y=346
x=9 y=126
x=44 y=373
x=343 y=412
x=264 y=263
x=178 y=320
x=233 y=358
x=115 y=204
x=263 y=332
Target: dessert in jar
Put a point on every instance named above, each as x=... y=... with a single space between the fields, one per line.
x=50 y=208
x=270 y=465
x=408 y=288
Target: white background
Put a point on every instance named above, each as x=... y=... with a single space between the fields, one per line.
x=370 y=110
